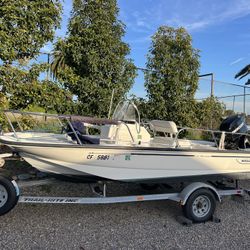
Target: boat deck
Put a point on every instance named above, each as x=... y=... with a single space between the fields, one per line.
x=156 y=142
x=39 y=138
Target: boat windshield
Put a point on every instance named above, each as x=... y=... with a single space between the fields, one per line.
x=126 y=111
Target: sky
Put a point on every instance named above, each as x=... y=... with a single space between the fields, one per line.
x=220 y=30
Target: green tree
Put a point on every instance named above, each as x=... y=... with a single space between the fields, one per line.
x=25 y=26
x=24 y=89
x=92 y=60
x=142 y=105
x=172 y=76
x=4 y=104
x=55 y=98
x=209 y=113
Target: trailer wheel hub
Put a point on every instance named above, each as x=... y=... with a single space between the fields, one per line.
x=201 y=206
x=3 y=195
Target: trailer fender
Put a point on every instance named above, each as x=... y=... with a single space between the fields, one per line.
x=16 y=187
x=188 y=190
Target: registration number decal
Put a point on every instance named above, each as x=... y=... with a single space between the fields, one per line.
x=98 y=157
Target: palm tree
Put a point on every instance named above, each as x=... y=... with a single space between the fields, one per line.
x=58 y=60
x=244 y=72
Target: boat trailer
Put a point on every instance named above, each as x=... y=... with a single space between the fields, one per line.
x=198 y=199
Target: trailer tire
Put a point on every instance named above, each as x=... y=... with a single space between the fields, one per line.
x=8 y=195
x=200 y=205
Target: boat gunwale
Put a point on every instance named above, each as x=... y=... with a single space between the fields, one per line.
x=127 y=148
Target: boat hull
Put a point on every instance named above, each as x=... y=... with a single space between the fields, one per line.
x=136 y=164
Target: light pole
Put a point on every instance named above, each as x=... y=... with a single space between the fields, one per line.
x=233 y=102
x=244 y=102
x=48 y=61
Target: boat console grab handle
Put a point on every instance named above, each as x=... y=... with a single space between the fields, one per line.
x=128 y=131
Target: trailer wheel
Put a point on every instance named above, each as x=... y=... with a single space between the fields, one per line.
x=200 y=205
x=8 y=195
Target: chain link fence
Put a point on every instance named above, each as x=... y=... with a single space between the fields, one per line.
x=234 y=96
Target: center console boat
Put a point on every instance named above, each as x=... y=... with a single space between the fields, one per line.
x=126 y=149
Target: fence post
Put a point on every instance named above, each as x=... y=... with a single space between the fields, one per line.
x=233 y=103
x=212 y=84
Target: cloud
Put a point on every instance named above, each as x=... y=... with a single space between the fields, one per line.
x=235 y=10
x=193 y=15
x=211 y=13
x=141 y=20
x=47 y=48
x=197 y=25
x=139 y=40
x=237 y=61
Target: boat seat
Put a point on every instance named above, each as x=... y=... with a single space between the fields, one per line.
x=80 y=130
x=170 y=142
x=78 y=126
x=85 y=139
x=168 y=127
x=89 y=139
x=124 y=134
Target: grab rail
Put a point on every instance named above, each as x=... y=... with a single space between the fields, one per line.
x=207 y=130
x=126 y=125
x=66 y=117
x=13 y=112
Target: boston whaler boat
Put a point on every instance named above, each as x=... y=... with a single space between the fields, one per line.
x=126 y=149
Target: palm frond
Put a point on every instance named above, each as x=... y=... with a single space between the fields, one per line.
x=245 y=71
x=57 y=64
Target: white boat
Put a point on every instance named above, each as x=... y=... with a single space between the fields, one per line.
x=128 y=150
